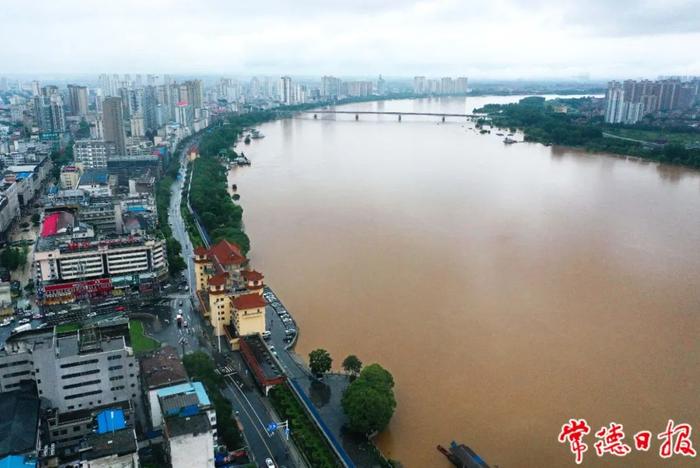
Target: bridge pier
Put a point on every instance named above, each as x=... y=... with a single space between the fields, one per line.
x=357 y=116
x=315 y=116
x=443 y=119
x=399 y=117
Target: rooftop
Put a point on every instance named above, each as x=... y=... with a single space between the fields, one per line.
x=94 y=177
x=248 y=301
x=162 y=367
x=219 y=279
x=17 y=461
x=226 y=253
x=110 y=420
x=196 y=424
x=188 y=387
x=56 y=223
x=19 y=422
x=173 y=404
x=252 y=275
x=118 y=443
x=74 y=345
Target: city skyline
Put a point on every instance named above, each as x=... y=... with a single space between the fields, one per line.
x=561 y=41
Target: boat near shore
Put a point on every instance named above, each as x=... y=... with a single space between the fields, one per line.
x=462 y=456
x=242 y=160
x=509 y=141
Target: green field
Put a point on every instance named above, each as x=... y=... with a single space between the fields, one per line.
x=67 y=327
x=139 y=341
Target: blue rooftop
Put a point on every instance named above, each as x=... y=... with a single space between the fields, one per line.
x=110 y=420
x=17 y=461
x=189 y=387
x=136 y=208
x=94 y=177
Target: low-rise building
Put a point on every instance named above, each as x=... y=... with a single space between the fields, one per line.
x=189 y=441
x=114 y=449
x=19 y=424
x=6 y=308
x=182 y=399
x=95 y=182
x=29 y=179
x=9 y=207
x=67 y=430
x=70 y=175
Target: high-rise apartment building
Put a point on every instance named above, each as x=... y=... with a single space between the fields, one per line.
x=461 y=85
x=286 y=91
x=195 y=94
x=614 y=109
x=630 y=101
x=330 y=87
x=113 y=123
x=48 y=111
x=78 y=99
x=419 y=85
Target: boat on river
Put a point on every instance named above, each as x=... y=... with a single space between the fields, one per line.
x=462 y=456
x=509 y=141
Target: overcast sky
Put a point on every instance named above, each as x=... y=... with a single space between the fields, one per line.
x=481 y=39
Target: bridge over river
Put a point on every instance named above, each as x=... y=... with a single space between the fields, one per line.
x=357 y=114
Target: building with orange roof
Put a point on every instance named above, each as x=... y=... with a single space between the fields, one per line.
x=231 y=295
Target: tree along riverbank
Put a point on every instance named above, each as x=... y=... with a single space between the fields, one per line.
x=542 y=122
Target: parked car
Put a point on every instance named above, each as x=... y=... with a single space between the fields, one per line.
x=266 y=334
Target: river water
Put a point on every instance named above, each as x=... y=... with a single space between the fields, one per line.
x=508 y=288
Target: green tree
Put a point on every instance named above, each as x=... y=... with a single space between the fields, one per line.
x=320 y=361
x=352 y=365
x=35 y=218
x=83 y=130
x=13 y=258
x=369 y=401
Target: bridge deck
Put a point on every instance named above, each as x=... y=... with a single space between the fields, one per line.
x=433 y=114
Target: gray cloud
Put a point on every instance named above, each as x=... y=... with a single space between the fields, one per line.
x=499 y=38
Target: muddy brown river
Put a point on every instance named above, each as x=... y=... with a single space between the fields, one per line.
x=508 y=288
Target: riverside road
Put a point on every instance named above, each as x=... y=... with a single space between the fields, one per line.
x=251 y=409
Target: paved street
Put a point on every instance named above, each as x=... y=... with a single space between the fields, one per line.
x=247 y=401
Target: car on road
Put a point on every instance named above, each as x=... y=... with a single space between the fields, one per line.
x=266 y=334
x=91 y=314
x=179 y=302
x=269 y=463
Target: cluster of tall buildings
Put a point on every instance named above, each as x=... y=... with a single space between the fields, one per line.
x=629 y=101
x=444 y=85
